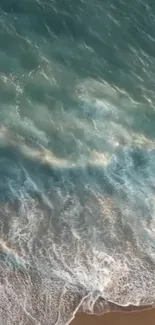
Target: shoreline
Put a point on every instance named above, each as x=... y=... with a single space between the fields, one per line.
x=136 y=317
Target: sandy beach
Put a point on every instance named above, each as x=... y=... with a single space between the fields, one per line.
x=117 y=318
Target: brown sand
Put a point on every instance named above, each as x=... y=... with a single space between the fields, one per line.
x=146 y=317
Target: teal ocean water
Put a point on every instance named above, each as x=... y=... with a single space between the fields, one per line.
x=77 y=158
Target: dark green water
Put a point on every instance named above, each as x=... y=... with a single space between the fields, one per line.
x=77 y=158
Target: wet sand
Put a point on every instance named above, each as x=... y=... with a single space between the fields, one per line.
x=144 y=317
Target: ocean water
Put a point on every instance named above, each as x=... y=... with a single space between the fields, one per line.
x=77 y=158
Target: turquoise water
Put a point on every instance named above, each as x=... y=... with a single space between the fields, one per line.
x=77 y=158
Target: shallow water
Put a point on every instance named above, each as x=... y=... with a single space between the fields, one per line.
x=77 y=158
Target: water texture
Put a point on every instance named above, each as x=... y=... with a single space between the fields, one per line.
x=77 y=158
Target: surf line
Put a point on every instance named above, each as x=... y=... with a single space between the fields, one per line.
x=10 y=258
